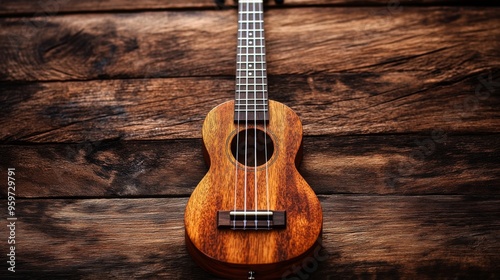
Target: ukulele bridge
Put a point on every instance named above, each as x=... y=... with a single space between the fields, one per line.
x=251 y=219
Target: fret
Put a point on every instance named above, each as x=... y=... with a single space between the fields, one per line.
x=249 y=58
x=252 y=55
x=258 y=101
x=245 y=63
x=260 y=65
x=252 y=99
x=250 y=21
x=255 y=102
x=257 y=95
x=241 y=69
x=243 y=103
x=252 y=29
x=251 y=88
x=253 y=106
x=250 y=12
x=251 y=102
x=250 y=69
x=252 y=46
x=251 y=76
x=252 y=38
x=250 y=110
x=244 y=35
x=239 y=84
x=248 y=90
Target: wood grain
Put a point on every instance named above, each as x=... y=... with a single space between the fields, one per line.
x=54 y=7
x=159 y=109
x=428 y=43
x=349 y=164
x=425 y=237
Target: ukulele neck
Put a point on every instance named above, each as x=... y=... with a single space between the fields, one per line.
x=251 y=100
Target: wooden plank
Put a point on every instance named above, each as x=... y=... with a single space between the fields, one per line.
x=404 y=165
x=423 y=237
x=433 y=42
x=54 y=7
x=159 y=109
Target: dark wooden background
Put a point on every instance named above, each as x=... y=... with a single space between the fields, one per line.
x=102 y=102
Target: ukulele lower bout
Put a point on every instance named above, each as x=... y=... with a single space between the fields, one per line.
x=287 y=224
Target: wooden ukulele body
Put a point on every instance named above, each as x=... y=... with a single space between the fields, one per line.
x=269 y=253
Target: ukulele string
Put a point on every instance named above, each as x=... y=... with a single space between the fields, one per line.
x=254 y=111
x=266 y=108
x=246 y=120
x=237 y=112
x=236 y=164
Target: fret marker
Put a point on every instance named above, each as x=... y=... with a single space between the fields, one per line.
x=250 y=42
x=250 y=73
x=250 y=34
x=250 y=66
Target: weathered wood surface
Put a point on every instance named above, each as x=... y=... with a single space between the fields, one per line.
x=354 y=164
x=425 y=237
x=159 y=109
x=101 y=106
x=54 y=7
x=448 y=44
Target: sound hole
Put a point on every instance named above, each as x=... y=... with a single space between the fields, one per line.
x=252 y=147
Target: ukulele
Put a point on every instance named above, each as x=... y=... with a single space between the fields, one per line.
x=252 y=216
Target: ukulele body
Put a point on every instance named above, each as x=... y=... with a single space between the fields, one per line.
x=269 y=253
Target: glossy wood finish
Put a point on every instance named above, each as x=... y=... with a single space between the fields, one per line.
x=231 y=253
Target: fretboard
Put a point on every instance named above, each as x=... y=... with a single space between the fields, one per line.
x=251 y=101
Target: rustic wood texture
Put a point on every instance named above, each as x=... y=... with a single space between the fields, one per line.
x=102 y=104
x=331 y=165
x=326 y=40
x=159 y=109
x=363 y=87
x=54 y=7
x=392 y=237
